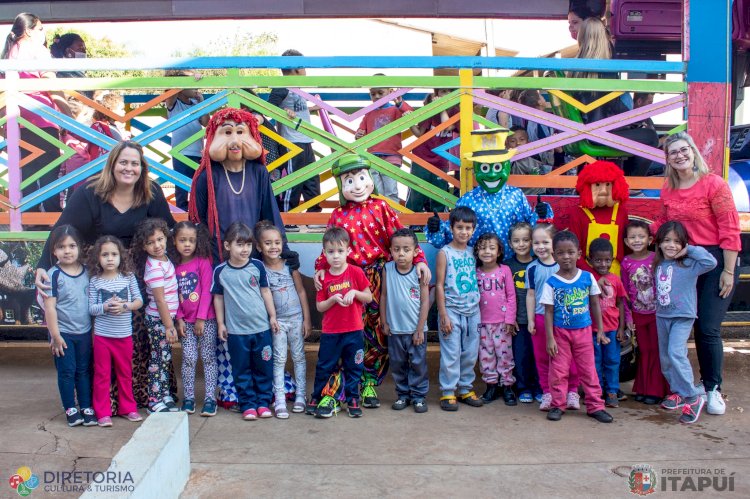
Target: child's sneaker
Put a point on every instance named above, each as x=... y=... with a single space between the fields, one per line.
x=538 y=397
x=692 y=410
x=611 y=400
x=133 y=417
x=299 y=406
x=716 y=404
x=89 y=418
x=370 y=397
x=448 y=403
x=105 y=422
x=158 y=407
x=601 y=416
x=265 y=412
x=188 y=405
x=327 y=407
x=312 y=407
x=509 y=396
x=573 y=401
x=250 y=415
x=672 y=402
x=470 y=399
x=171 y=406
x=280 y=410
x=209 y=408
x=525 y=398
x=74 y=417
x=420 y=406
x=353 y=408
x=554 y=414
x=546 y=402
x=400 y=404
x=491 y=394
x=621 y=396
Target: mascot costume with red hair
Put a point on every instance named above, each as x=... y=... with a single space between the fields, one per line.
x=603 y=193
x=231 y=185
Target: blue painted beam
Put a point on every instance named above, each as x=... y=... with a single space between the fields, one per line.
x=371 y=62
x=710 y=41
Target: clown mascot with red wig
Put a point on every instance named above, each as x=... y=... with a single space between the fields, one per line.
x=602 y=192
x=231 y=185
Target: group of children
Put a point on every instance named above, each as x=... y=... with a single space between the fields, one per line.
x=541 y=325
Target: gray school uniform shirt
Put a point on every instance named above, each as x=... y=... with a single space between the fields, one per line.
x=72 y=294
x=461 y=289
x=244 y=309
x=290 y=100
x=404 y=299
x=676 y=293
x=285 y=297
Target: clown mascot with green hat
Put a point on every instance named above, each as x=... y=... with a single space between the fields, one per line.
x=370 y=223
x=498 y=205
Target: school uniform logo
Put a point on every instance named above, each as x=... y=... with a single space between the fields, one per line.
x=359 y=357
x=253 y=281
x=267 y=353
x=414 y=293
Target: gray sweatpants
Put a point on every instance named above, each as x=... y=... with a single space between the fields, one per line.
x=673 y=354
x=458 y=354
x=408 y=366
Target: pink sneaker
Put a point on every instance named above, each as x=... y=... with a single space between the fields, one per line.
x=573 y=401
x=546 y=402
x=105 y=422
x=132 y=416
x=264 y=412
x=250 y=415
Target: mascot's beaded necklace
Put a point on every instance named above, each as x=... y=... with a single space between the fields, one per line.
x=242 y=185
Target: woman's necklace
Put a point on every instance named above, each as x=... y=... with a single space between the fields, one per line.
x=242 y=186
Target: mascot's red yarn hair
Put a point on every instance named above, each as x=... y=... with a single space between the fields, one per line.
x=212 y=215
x=601 y=171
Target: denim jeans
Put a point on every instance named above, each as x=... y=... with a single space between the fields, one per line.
x=527 y=379
x=607 y=361
x=74 y=370
x=673 y=354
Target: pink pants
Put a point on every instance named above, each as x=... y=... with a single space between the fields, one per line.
x=574 y=344
x=496 y=354
x=114 y=353
x=539 y=341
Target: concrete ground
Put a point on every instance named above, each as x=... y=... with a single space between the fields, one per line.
x=477 y=452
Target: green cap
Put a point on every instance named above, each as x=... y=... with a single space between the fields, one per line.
x=348 y=163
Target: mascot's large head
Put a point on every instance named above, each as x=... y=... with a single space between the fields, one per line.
x=600 y=184
x=491 y=158
x=231 y=135
x=352 y=173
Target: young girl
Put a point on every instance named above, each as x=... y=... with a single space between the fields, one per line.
x=245 y=317
x=292 y=314
x=149 y=253
x=113 y=295
x=196 y=320
x=537 y=274
x=497 y=310
x=69 y=325
x=527 y=379
x=677 y=267
x=638 y=278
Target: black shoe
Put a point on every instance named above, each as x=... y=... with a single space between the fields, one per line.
x=327 y=407
x=554 y=414
x=601 y=416
x=509 y=396
x=353 y=408
x=370 y=397
x=311 y=406
x=400 y=404
x=291 y=228
x=650 y=400
x=73 y=416
x=420 y=406
x=639 y=398
x=89 y=418
x=491 y=394
x=621 y=395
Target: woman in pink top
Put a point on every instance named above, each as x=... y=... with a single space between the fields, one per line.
x=703 y=203
x=26 y=40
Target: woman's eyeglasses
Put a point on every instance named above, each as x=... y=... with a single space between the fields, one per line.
x=681 y=151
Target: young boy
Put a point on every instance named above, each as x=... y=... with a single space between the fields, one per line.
x=245 y=316
x=296 y=109
x=457 y=296
x=612 y=304
x=388 y=148
x=404 y=304
x=525 y=166
x=567 y=320
x=345 y=290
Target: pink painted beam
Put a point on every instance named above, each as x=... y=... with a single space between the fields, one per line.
x=346 y=116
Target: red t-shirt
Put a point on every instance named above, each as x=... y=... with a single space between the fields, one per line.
x=338 y=319
x=611 y=291
x=379 y=118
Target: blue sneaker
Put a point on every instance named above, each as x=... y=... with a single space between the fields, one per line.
x=188 y=405
x=209 y=408
x=525 y=398
x=538 y=398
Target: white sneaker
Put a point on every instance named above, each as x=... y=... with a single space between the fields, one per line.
x=546 y=402
x=573 y=401
x=716 y=404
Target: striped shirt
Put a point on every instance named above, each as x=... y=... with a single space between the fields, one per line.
x=123 y=287
x=161 y=274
